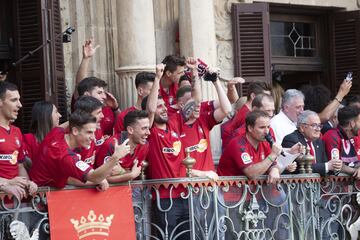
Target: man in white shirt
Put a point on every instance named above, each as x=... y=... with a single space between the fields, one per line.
x=285 y=121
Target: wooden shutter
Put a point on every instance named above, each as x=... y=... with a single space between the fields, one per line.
x=41 y=76
x=345 y=49
x=250 y=24
x=30 y=74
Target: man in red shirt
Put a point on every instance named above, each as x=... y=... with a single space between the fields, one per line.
x=197 y=125
x=56 y=160
x=137 y=127
x=94 y=87
x=238 y=120
x=143 y=83
x=341 y=140
x=165 y=160
x=250 y=154
x=174 y=69
x=92 y=106
x=13 y=176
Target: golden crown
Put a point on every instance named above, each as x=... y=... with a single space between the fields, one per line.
x=92 y=226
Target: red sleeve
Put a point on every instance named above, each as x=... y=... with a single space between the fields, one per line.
x=331 y=141
x=72 y=166
x=207 y=106
x=210 y=120
x=105 y=150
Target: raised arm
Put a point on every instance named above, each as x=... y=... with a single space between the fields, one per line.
x=232 y=93
x=154 y=93
x=88 y=51
x=225 y=105
x=330 y=109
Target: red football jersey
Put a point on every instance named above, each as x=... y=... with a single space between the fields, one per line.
x=336 y=138
x=239 y=118
x=31 y=145
x=119 y=123
x=240 y=154
x=87 y=155
x=107 y=150
x=196 y=137
x=166 y=155
x=170 y=97
x=56 y=162
x=107 y=123
x=11 y=151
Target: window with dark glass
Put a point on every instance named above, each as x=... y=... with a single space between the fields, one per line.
x=293 y=39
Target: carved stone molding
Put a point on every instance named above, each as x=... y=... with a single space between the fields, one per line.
x=223 y=28
x=126 y=84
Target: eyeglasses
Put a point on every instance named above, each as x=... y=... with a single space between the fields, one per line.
x=314 y=125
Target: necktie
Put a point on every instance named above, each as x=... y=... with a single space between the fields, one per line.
x=312 y=153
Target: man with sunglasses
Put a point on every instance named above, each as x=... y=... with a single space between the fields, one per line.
x=308 y=134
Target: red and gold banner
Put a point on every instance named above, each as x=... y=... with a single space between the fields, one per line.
x=88 y=214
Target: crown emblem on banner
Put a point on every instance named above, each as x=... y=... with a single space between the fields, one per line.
x=92 y=225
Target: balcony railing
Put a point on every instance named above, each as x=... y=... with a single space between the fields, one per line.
x=299 y=207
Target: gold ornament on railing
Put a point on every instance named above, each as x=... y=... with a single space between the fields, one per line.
x=301 y=159
x=144 y=165
x=188 y=162
x=308 y=160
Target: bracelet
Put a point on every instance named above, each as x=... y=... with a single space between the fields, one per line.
x=337 y=99
x=270 y=158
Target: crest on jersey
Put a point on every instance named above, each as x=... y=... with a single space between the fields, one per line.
x=245 y=157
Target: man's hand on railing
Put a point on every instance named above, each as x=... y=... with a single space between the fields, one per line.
x=274 y=175
x=292 y=167
x=15 y=190
x=208 y=174
x=32 y=188
x=103 y=186
x=357 y=173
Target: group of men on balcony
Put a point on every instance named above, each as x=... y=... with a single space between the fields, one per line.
x=101 y=144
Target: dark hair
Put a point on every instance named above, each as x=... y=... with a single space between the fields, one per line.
x=352 y=100
x=258 y=100
x=41 y=119
x=87 y=104
x=132 y=116
x=257 y=88
x=144 y=102
x=251 y=117
x=4 y=86
x=346 y=114
x=89 y=83
x=181 y=91
x=79 y=118
x=184 y=77
x=142 y=78
x=316 y=97
x=172 y=62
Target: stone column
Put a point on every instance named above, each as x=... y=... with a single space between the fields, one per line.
x=136 y=46
x=197 y=38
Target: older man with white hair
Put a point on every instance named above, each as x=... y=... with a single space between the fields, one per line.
x=285 y=121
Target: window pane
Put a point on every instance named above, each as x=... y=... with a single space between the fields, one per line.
x=293 y=39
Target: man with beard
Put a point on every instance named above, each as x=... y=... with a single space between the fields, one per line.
x=165 y=160
x=136 y=124
x=13 y=176
x=340 y=140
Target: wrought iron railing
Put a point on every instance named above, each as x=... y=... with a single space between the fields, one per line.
x=299 y=207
